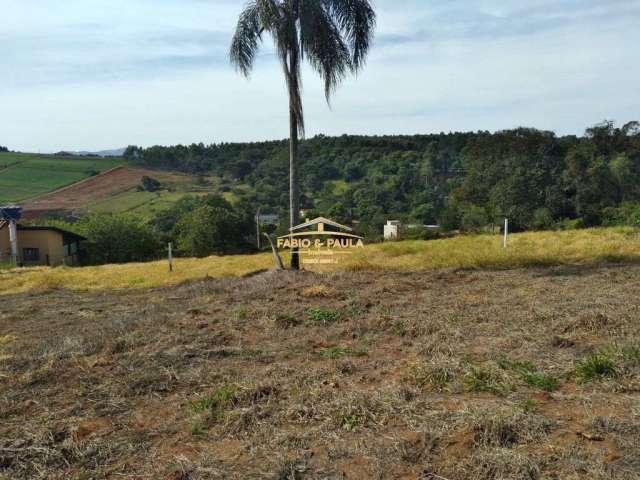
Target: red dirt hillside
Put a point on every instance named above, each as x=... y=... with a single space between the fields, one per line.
x=87 y=191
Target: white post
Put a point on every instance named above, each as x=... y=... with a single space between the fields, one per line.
x=506 y=232
x=258 y=229
x=170 y=257
x=13 y=240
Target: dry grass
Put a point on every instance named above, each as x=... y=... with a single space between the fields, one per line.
x=383 y=375
x=480 y=251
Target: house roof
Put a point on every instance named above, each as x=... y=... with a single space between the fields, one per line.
x=65 y=233
x=318 y=220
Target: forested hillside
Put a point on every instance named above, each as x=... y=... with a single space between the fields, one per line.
x=461 y=180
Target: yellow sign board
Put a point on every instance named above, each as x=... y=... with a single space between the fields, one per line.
x=322 y=245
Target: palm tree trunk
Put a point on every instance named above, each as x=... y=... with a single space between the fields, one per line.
x=294 y=186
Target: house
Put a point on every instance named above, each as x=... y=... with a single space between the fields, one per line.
x=40 y=245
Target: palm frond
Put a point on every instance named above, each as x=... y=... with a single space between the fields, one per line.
x=357 y=21
x=246 y=39
x=322 y=42
x=257 y=16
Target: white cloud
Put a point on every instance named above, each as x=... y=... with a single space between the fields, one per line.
x=92 y=74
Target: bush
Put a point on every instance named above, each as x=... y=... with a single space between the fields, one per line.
x=207 y=230
x=570 y=224
x=450 y=217
x=626 y=214
x=150 y=184
x=542 y=219
x=115 y=238
x=474 y=219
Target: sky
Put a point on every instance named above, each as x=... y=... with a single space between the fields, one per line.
x=101 y=74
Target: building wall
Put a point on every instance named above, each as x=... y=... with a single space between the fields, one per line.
x=48 y=243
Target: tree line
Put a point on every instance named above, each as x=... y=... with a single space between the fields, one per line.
x=459 y=180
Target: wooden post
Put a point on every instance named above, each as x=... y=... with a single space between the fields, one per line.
x=258 y=229
x=276 y=256
x=506 y=232
x=170 y=257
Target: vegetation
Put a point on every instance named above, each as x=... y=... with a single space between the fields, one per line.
x=333 y=35
x=25 y=175
x=596 y=365
x=460 y=180
x=150 y=184
x=114 y=239
x=561 y=248
x=207 y=230
x=202 y=381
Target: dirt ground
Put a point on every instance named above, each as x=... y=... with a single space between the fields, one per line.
x=88 y=191
x=452 y=374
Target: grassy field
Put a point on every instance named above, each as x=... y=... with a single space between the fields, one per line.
x=481 y=252
x=522 y=374
x=24 y=176
x=175 y=187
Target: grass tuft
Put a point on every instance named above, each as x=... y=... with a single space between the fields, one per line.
x=323 y=315
x=596 y=366
x=337 y=352
x=216 y=402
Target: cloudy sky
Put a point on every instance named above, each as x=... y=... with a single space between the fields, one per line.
x=97 y=74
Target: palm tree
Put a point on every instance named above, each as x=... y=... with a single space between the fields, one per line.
x=333 y=35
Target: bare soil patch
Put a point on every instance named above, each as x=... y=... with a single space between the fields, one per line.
x=521 y=374
x=88 y=191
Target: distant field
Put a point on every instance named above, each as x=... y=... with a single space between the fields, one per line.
x=24 y=176
x=535 y=249
x=146 y=204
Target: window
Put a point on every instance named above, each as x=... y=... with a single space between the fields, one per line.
x=30 y=255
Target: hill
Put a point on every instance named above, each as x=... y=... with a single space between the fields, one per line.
x=60 y=184
x=456 y=374
x=25 y=175
x=462 y=179
x=117 y=191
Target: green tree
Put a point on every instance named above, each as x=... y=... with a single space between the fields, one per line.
x=150 y=184
x=334 y=36
x=474 y=218
x=117 y=238
x=207 y=230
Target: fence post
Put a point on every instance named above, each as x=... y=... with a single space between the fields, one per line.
x=170 y=257
x=506 y=232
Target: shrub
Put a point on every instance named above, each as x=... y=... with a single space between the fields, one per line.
x=474 y=219
x=207 y=230
x=149 y=184
x=542 y=219
x=117 y=238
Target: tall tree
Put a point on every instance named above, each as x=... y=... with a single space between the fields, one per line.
x=333 y=35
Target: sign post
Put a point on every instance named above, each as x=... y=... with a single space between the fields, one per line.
x=170 y=257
